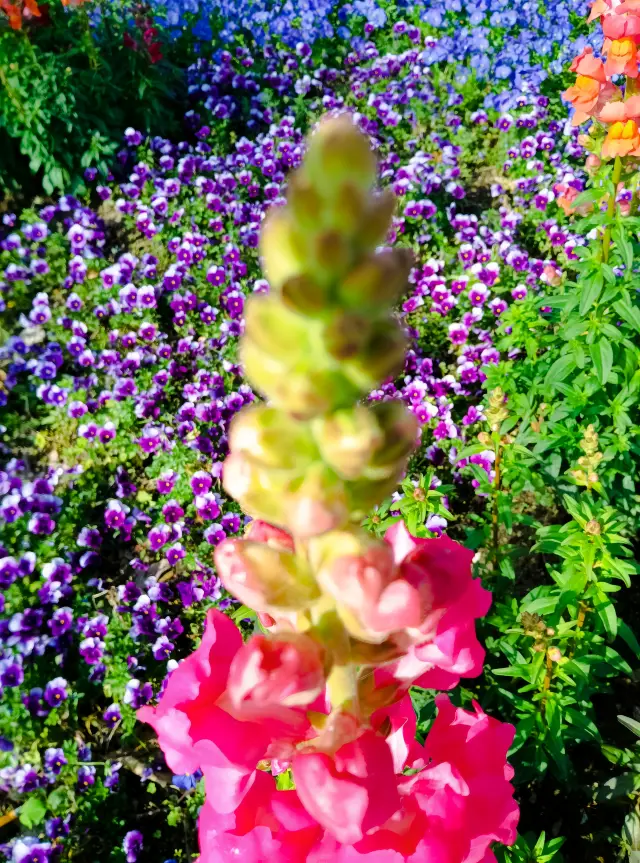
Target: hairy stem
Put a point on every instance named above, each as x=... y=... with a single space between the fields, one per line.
x=611 y=209
x=495 y=520
x=547 y=682
x=582 y=613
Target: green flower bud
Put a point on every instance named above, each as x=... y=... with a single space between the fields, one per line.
x=346 y=210
x=331 y=256
x=399 y=428
x=272 y=438
x=303 y=294
x=368 y=443
x=304 y=202
x=378 y=281
x=339 y=153
x=317 y=503
x=308 y=501
x=281 y=258
x=276 y=330
x=364 y=494
x=305 y=388
x=382 y=357
x=347 y=439
x=346 y=335
x=376 y=220
x=259 y=490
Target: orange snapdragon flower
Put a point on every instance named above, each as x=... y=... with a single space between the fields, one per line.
x=623 y=139
x=622 y=57
x=15 y=11
x=602 y=7
x=591 y=90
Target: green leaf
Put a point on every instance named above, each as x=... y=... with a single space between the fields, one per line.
x=590 y=196
x=581 y=721
x=562 y=367
x=624 y=246
x=32 y=813
x=617 y=786
x=542 y=605
x=590 y=291
x=607 y=614
x=602 y=355
x=631 y=724
x=627 y=635
x=629 y=313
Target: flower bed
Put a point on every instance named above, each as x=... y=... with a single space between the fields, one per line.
x=122 y=312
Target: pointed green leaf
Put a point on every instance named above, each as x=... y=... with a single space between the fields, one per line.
x=562 y=367
x=590 y=291
x=602 y=355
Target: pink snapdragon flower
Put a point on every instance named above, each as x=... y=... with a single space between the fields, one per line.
x=202 y=723
x=354 y=805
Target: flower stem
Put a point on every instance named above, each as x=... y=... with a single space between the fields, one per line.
x=582 y=613
x=547 y=682
x=342 y=686
x=611 y=209
x=495 y=519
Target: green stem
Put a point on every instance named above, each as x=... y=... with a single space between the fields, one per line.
x=611 y=209
x=342 y=686
x=495 y=517
x=88 y=39
x=546 y=683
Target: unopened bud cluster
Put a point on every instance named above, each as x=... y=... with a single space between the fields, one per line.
x=534 y=627
x=496 y=412
x=585 y=474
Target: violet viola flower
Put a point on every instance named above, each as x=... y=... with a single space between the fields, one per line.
x=112 y=715
x=55 y=692
x=132 y=845
x=54 y=760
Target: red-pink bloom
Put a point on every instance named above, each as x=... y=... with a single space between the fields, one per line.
x=629 y=7
x=351 y=791
x=198 y=727
x=622 y=57
x=449 y=812
x=445 y=647
x=591 y=90
x=621 y=26
x=397 y=723
x=475 y=801
x=360 y=574
x=274 y=674
x=267 y=825
x=603 y=7
x=589 y=65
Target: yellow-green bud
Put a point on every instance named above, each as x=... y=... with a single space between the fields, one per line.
x=377 y=281
x=347 y=439
x=272 y=438
x=339 y=153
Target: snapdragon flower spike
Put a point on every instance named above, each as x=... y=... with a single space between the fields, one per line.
x=352 y=621
x=595 y=95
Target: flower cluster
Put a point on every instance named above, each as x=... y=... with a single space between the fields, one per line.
x=595 y=95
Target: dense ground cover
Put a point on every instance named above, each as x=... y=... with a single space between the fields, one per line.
x=123 y=301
